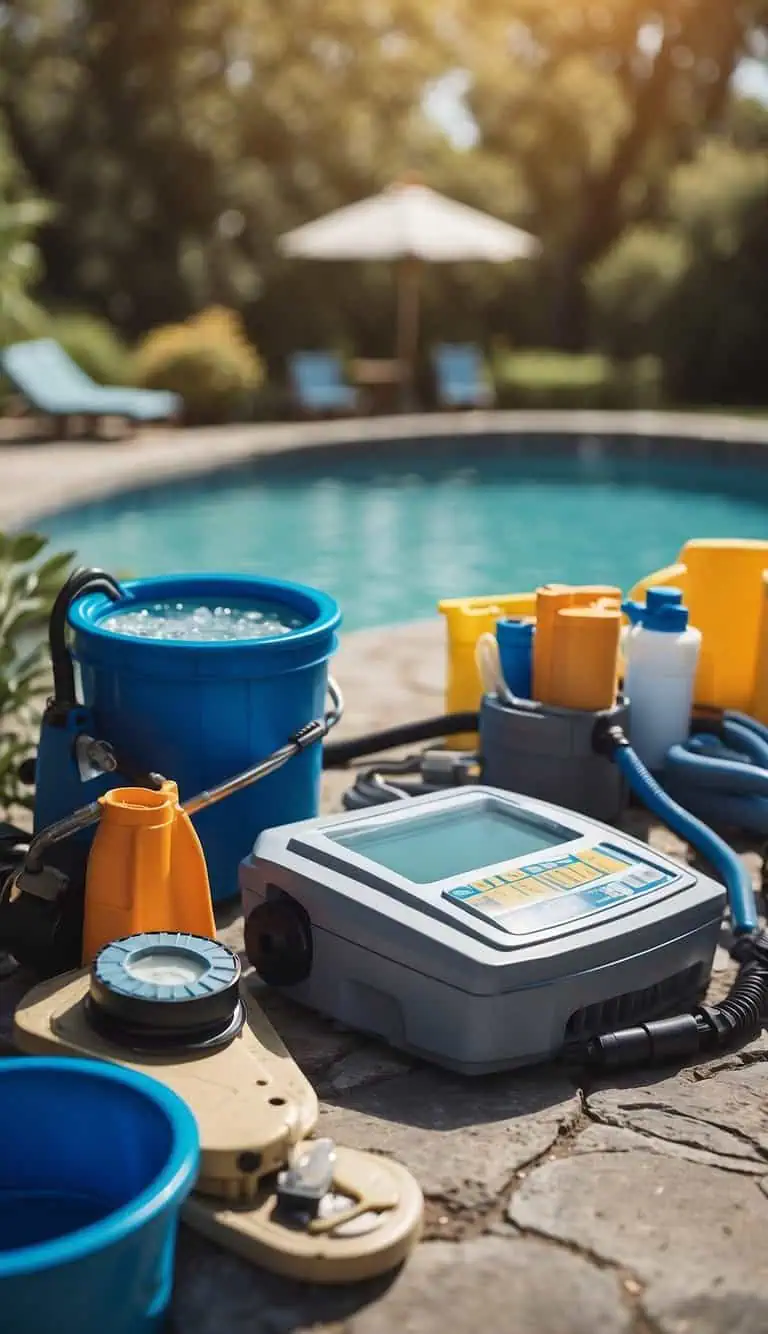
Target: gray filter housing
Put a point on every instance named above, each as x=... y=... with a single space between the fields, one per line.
x=548 y=753
x=410 y=964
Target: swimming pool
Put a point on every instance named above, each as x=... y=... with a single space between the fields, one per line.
x=389 y=532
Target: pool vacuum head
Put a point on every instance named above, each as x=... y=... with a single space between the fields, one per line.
x=175 y=1007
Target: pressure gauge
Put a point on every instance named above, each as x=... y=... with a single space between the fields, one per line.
x=163 y=989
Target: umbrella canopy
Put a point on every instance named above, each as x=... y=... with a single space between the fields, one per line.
x=410 y=224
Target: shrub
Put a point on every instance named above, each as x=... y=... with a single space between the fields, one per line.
x=27 y=592
x=208 y=360
x=549 y=379
x=94 y=345
x=631 y=288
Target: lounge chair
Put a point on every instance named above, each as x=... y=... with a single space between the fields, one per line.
x=53 y=384
x=460 y=376
x=318 y=384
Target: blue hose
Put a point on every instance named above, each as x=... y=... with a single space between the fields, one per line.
x=725 y=861
x=723 y=776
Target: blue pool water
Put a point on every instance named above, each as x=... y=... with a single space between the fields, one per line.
x=390 y=534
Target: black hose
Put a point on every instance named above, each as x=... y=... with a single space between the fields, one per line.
x=704 y=1032
x=82 y=580
x=340 y=753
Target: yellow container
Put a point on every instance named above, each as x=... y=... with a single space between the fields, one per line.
x=759 y=707
x=466 y=619
x=585 y=655
x=146 y=871
x=722 y=583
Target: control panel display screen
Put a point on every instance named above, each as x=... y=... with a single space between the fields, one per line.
x=438 y=845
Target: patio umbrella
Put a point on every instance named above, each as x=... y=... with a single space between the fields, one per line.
x=408 y=224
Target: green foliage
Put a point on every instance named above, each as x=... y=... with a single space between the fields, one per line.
x=547 y=379
x=94 y=344
x=178 y=141
x=20 y=262
x=28 y=587
x=632 y=287
x=694 y=290
x=208 y=360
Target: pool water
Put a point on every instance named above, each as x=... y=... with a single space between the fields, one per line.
x=389 y=535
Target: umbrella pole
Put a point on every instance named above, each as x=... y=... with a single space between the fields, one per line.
x=407 y=329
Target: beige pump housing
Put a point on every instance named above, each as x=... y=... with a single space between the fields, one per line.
x=255 y=1112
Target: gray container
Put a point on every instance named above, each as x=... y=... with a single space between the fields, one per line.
x=547 y=752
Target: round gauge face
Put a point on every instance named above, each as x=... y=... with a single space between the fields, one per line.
x=166 y=966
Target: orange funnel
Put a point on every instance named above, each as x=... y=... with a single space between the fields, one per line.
x=146 y=871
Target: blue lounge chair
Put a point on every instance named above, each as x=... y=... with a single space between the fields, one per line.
x=318 y=383
x=53 y=384
x=460 y=376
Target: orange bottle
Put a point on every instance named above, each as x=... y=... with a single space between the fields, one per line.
x=146 y=871
x=585 y=658
x=551 y=599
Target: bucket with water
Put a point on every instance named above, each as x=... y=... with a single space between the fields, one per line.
x=197 y=677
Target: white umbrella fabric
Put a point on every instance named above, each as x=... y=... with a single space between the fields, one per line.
x=410 y=224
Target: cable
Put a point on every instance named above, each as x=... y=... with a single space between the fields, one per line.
x=341 y=753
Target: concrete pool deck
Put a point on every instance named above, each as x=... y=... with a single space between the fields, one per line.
x=639 y=1206
x=37 y=478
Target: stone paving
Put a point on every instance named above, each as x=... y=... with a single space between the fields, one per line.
x=635 y=1207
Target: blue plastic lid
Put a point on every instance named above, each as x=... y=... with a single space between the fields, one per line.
x=663 y=610
x=509 y=630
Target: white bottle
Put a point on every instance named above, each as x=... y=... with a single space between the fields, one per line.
x=661 y=652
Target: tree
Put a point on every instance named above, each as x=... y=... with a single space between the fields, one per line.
x=694 y=289
x=20 y=265
x=178 y=137
x=598 y=102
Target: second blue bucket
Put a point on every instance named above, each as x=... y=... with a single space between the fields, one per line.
x=95 y=1163
x=200 y=712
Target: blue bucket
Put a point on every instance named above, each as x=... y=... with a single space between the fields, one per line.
x=200 y=712
x=95 y=1162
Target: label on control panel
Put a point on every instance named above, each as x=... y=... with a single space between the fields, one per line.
x=550 y=893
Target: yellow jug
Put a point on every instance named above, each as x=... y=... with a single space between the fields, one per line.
x=721 y=582
x=146 y=870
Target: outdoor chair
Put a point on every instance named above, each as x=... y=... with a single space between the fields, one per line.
x=318 y=384
x=460 y=378
x=52 y=384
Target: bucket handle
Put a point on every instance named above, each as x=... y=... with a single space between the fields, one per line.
x=83 y=580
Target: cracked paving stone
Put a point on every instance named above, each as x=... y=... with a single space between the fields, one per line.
x=614 y=1139
x=513 y=1286
x=218 y=1293
x=695 y=1236
x=462 y=1139
x=316 y=1044
x=443 y=1289
x=724 y=1115
x=366 y=1066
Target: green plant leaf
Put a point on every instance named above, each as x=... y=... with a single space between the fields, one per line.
x=26 y=546
x=52 y=571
